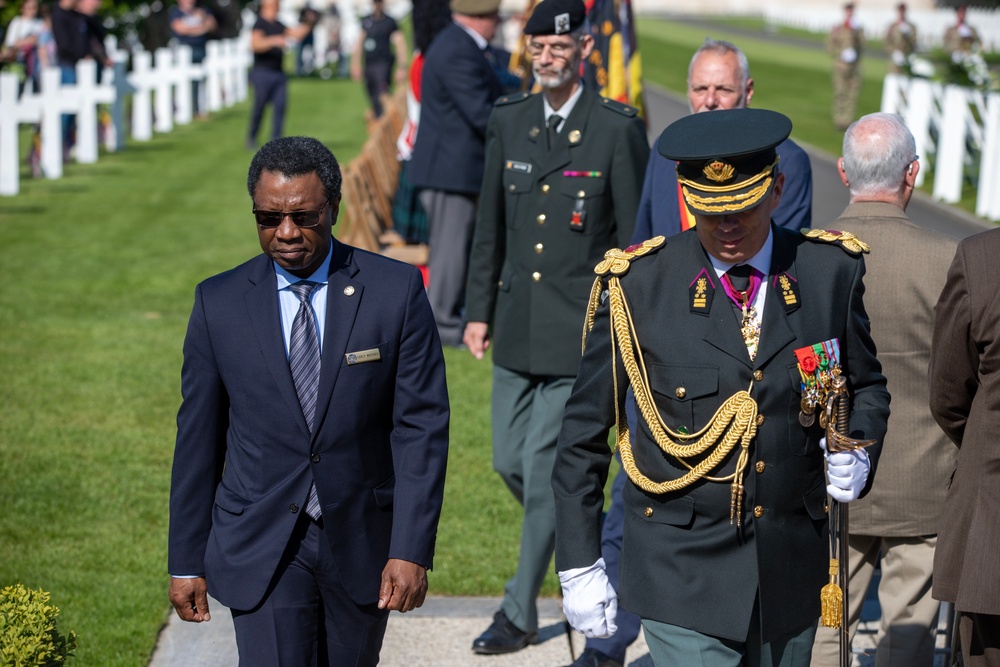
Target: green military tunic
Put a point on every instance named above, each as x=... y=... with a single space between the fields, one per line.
x=845 y=44
x=900 y=43
x=546 y=217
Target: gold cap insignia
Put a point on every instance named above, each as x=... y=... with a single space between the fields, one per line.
x=718 y=171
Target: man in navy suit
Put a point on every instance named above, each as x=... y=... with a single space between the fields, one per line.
x=719 y=78
x=458 y=88
x=313 y=435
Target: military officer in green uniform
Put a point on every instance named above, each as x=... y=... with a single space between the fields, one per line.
x=727 y=333
x=845 y=43
x=563 y=178
x=900 y=41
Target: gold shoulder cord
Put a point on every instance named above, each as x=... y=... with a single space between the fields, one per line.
x=734 y=421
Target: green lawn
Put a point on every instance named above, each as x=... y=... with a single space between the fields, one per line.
x=97 y=283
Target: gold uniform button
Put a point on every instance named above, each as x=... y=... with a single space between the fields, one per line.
x=758 y=375
x=499 y=283
x=760 y=419
x=539 y=248
x=536 y=276
x=541 y=218
x=581 y=194
x=758 y=511
x=760 y=466
x=546 y=187
x=512 y=187
x=648 y=511
x=680 y=392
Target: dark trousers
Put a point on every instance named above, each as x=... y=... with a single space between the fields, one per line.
x=269 y=86
x=629 y=624
x=377 y=79
x=451 y=218
x=307 y=618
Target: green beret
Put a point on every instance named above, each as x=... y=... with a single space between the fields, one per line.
x=475 y=7
x=726 y=159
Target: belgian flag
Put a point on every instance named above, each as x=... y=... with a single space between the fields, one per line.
x=614 y=67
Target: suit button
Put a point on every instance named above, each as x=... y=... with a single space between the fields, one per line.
x=760 y=466
x=546 y=188
x=680 y=392
x=314 y=458
x=536 y=276
x=293 y=508
x=758 y=375
x=539 y=248
x=541 y=218
x=760 y=419
x=758 y=511
x=648 y=511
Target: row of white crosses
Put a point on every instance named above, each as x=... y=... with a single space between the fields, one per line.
x=957 y=133
x=160 y=85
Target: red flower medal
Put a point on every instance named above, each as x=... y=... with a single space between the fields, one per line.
x=818 y=365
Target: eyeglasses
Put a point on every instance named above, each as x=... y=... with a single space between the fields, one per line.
x=557 y=49
x=304 y=219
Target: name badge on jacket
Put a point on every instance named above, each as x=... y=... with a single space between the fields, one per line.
x=362 y=356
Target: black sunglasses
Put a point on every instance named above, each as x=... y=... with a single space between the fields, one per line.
x=305 y=219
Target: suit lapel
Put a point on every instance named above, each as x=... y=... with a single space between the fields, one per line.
x=343 y=298
x=265 y=318
x=775 y=331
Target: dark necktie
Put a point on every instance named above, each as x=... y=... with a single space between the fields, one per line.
x=304 y=361
x=555 y=120
x=739 y=276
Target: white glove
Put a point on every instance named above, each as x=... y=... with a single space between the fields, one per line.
x=846 y=472
x=848 y=55
x=589 y=601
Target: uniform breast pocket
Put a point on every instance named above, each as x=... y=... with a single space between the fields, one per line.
x=686 y=396
x=584 y=201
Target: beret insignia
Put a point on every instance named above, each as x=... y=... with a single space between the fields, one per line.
x=845 y=240
x=616 y=261
x=719 y=171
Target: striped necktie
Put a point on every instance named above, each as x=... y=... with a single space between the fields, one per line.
x=304 y=361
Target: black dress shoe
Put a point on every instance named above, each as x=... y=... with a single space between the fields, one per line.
x=502 y=637
x=594 y=658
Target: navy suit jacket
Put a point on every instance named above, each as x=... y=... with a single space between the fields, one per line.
x=659 y=211
x=457 y=92
x=245 y=459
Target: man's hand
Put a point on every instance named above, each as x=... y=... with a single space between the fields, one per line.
x=404 y=586
x=190 y=599
x=477 y=338
x=589 y=601
x=846 y=473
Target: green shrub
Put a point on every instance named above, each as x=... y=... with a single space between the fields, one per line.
x=28 y=633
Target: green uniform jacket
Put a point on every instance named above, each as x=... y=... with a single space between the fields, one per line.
x=530 y=273
x=682 y=561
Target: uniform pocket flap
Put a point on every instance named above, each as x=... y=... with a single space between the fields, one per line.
x=384 y=493
x=674 y=512
x=685 y=383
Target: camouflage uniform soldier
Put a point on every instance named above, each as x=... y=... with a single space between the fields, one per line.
x=845 y=43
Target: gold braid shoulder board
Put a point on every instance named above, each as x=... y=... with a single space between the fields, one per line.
x=734 y=422
x=846 y=240
x=616 y=262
